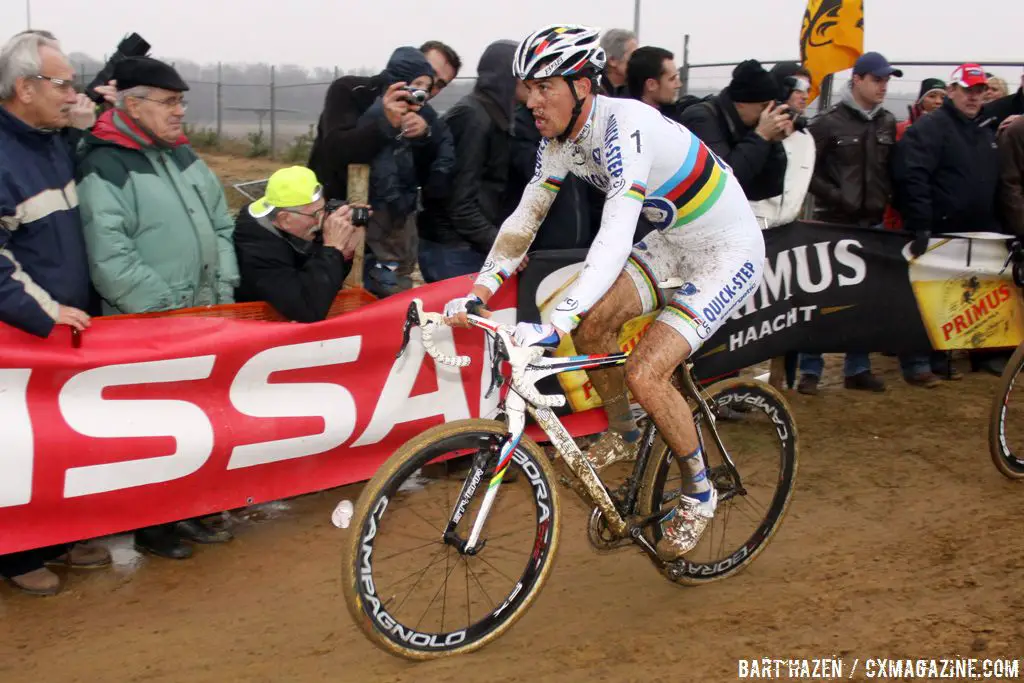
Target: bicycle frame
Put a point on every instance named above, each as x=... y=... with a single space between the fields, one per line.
x=529 y=366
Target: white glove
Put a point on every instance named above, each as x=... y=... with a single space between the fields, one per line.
x=456 y=306
x=533 y=334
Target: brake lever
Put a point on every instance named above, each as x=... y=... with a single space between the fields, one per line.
x=498 y=354
x=412 y=318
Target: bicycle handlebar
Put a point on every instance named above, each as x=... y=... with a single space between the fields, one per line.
x=519 y=357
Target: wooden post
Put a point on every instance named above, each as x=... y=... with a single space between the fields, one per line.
x=358 y=193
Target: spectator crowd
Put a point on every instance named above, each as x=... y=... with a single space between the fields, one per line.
x=107 y=209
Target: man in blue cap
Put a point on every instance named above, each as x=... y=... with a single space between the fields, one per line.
x=852 y=185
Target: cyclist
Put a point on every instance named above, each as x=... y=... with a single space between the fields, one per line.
x=700 y=265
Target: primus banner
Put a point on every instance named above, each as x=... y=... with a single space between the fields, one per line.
x=827 y=288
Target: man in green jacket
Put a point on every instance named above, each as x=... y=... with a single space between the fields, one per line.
x=156 y=223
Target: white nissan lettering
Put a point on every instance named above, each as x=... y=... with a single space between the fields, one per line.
x=87 y=412
x=17 y=451
x=252 y=394
x=397 y=406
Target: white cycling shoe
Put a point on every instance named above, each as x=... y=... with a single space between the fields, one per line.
x=683 y=527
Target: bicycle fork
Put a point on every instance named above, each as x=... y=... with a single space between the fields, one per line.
x=514 y=408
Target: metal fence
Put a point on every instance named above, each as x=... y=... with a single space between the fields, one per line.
x=284 y=103
x=276 y=109
x=708 y=79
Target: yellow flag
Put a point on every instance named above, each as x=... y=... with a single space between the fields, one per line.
x=832 y=38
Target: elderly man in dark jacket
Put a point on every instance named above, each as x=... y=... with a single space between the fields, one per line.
x=946 y=175
x=744 y=127
x=946 y=168
x=289 y=253
x=457 y=231
x=44 y=272
x=394 y=178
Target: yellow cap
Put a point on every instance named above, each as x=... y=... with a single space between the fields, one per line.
x=287 y=187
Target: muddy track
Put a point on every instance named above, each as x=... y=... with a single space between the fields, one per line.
x=903 y=540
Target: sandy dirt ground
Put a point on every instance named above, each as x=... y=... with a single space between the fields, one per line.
x=902 y=541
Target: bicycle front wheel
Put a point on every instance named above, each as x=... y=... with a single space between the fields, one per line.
x=1006 y=420
x=409 y=580
x=760 y=436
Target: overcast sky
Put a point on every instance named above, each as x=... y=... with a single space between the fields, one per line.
x=363 y=33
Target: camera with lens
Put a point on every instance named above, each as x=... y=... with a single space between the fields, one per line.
x=415 y=95
x=360 y=214
x=131 y=46
x=789 y=85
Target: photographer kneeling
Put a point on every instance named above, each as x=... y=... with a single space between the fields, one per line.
x=292 y=253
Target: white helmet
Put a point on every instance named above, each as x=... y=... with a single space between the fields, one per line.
x=559 y=50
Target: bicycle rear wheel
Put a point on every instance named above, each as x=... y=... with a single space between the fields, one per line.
x=761 y=440
x=1006 y=422
x=413 y=591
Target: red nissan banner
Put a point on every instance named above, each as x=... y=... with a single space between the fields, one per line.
x=154 y=420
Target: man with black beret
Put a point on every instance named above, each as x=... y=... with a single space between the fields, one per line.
x=156 y=224
x=745 y=127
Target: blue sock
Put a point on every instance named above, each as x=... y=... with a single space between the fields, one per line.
x=694 y=464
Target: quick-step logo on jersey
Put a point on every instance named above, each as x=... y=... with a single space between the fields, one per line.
x=612 y=151
x=731 y=294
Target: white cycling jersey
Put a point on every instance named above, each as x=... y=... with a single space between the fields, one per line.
x=643 y=161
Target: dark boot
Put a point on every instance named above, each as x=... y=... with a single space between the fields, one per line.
x=197 y=532
x=162 y=542
x=808 y=385
x=865 y=381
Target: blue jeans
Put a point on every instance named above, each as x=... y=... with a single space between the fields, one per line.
x=855 y=363
x=443 y=261
x=382 y=279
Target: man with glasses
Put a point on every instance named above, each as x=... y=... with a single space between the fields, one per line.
x=44 y=276
x=291 y=254
x=156 y=224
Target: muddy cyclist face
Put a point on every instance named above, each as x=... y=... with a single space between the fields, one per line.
x=551 y=102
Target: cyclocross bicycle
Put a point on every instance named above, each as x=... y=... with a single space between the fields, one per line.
x=1005 y=419
x=443 y=564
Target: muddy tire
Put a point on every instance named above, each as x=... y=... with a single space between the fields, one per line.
x=377 y=508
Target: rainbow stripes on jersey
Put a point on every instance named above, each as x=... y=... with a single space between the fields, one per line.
x=697 y=184
x=657 y=299
x=637 y=191
x=687 y=314
x=552 y=184
x=499 y=278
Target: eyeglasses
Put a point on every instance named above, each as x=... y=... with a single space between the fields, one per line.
x=316 y=215
x=170 y=103
x=62 y=84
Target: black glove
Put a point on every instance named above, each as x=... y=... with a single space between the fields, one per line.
x=920 y=243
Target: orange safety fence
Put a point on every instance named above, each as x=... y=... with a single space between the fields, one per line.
x=347 y=301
